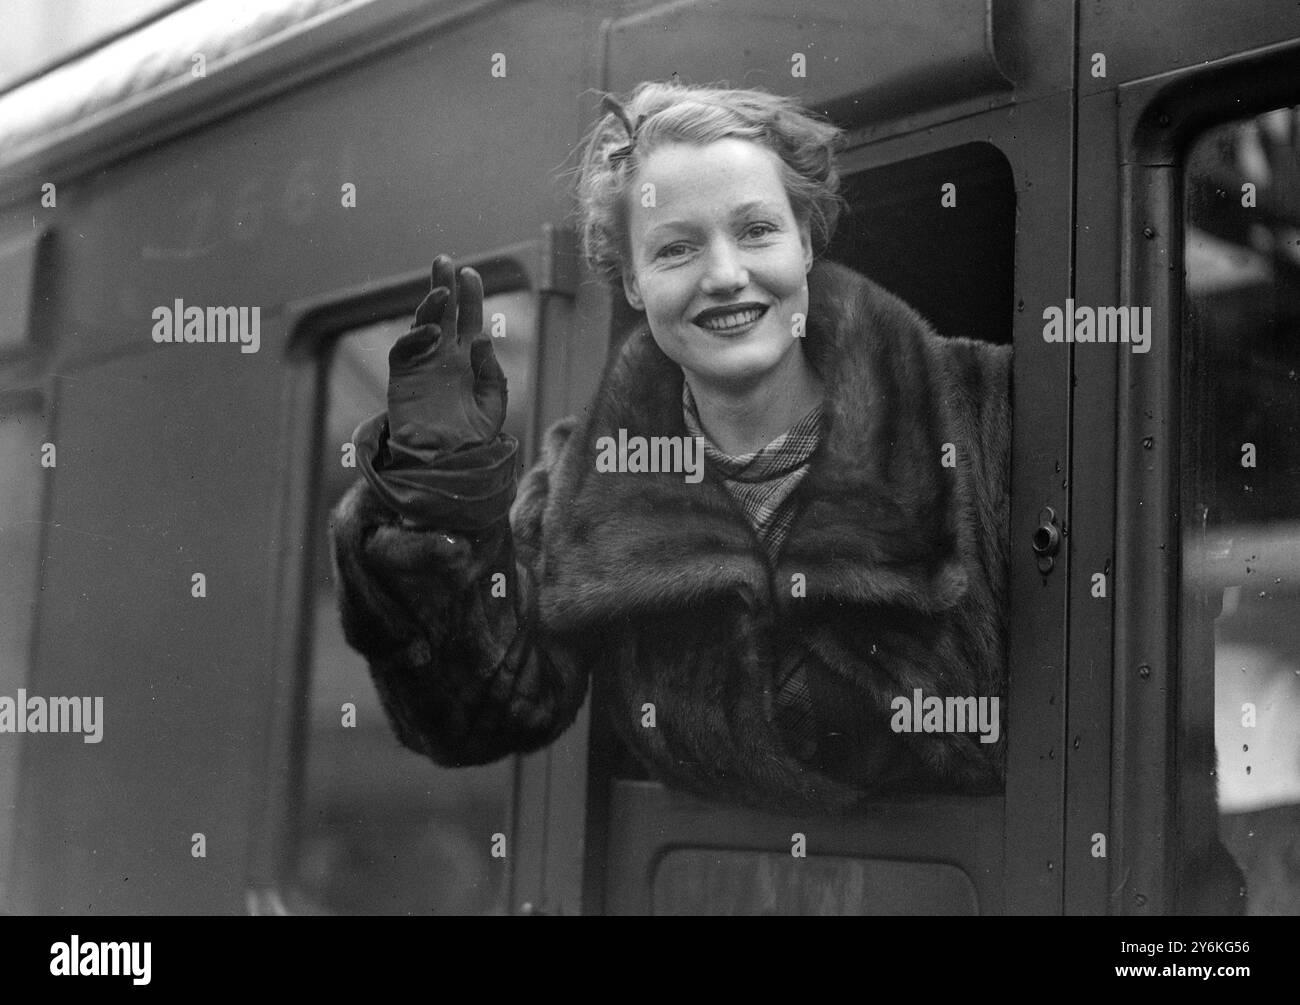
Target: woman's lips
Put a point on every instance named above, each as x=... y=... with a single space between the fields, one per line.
x=730 y=320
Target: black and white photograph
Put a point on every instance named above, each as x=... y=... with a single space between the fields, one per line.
x=654 y=458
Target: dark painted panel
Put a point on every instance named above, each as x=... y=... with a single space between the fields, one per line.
x=962 y=833
x=1091 y=537
x=858 y=61
x=161 y=474
x=250 y=211
x=698 y=881
x=1140 y=38
x=1039 y=147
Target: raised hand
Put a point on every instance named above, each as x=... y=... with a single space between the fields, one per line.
x=446 y=390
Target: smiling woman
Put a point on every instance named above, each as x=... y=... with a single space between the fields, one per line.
x=718 y=250
x=754 y=628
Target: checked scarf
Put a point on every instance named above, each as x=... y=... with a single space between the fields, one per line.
x=762 y=483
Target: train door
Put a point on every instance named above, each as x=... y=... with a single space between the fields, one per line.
x=975 y=110
x=1198 y=234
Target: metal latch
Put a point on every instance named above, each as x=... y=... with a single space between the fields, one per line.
x=1046 y=540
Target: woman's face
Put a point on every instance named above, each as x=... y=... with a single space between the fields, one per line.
x=719 y=263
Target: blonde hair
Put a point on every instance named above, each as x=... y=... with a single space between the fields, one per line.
x=660 y=113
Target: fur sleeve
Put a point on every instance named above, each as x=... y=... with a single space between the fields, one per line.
x=975 y=383
x=448 y=624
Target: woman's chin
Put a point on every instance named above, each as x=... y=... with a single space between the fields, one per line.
x=739 y=373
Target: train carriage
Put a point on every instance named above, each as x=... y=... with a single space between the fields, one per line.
x=165 y=523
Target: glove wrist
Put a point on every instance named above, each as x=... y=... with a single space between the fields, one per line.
x=466 y=488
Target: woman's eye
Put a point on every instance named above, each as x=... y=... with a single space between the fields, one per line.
x=760 y=229
x=672 y=250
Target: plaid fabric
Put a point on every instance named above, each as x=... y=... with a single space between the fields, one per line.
x=763 y=484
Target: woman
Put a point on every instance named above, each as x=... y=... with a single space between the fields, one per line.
x=765 y=626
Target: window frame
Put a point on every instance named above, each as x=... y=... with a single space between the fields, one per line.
x=1021 y=829
x=543 y=267
x=1158 y=119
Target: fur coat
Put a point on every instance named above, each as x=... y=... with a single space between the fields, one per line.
x=662 y=587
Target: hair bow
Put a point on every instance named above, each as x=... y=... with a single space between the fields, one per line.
x=611 y=104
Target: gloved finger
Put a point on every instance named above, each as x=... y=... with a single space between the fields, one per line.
x=471 y=303
x=431 y=307
x=483 y=359
x=414 y=348
x=490 y=390
x=444 y=274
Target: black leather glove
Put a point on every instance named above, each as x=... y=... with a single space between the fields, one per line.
x=437 y=456
x=446 y=390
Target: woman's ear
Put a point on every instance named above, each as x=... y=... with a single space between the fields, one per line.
x=632 y=290
x=805 y=239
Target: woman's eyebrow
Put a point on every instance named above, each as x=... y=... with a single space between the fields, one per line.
x=744 y=209
x=755 y=204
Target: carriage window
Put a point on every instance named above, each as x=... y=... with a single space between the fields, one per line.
x=1240 y=487
x=950 y=253
x=382 y=830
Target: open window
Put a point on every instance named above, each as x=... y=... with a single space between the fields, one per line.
x=947 y=252
x=658 y=851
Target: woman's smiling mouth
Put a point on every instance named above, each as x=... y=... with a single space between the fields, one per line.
x=729 y=320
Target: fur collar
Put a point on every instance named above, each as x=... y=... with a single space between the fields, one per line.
x=877 y=523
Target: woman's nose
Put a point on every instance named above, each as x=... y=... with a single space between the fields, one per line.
x=724 y=269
